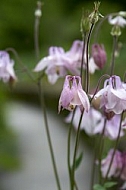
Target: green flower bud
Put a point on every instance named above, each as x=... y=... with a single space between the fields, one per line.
x=85 y=23
x=116 y=31
x=122 y=13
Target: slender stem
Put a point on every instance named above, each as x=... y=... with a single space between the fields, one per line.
x=36 y=37
x=115 y=148
x=68 y=149
x=42 y=101
x=101 y=143
x=36 y=30
x=87 y=60
x=96 y=32
x=113 y=55
x=75 y=150
x=93 y=168
x=83 y=54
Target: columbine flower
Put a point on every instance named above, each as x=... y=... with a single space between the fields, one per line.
x=53 y=64
x=116 y=164
x=58 y=62
x=7 y=73
x=73 y=95
x=89 y=121
x=118 y=21
x=111 y=128
x=113 y=95
x=99 y=55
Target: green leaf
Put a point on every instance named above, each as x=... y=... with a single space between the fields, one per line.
x=78 y=160
x=98 y=187
x=109 y=184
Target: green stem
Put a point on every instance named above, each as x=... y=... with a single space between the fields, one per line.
x=75 y=151
x=87 y=59
x=113 y=55
x=98 y=27
x=115 y=148
x=83 y=54
x=101 y=143
x=93 y=168
x=68 y=150
x=36 y=31
x=42 y=101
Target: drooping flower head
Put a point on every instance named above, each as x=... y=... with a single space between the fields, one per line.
x=53 y=64
x=113 y=95
x=116 y=166
x=73 y=95
x=6 y=67
x=90 y=120
x=99 y=55
x=111 y=127
x=118 y=21
x=59 y=62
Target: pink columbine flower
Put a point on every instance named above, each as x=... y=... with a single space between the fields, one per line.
x=7 y=73
x=118 y=21
x=73 y=95
x=111 y=128
x=59 y=62
x=89 y=122
x=99 y=55
x=113 y=95
x=53 y=64
x=116 y=166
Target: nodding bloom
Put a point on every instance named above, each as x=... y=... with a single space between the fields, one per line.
x=7 y=73
x=111 y=127
x=118 y=21
x=113 y=95
x=59 y=62
x=73 y=95
x=89 y=122
x=53 y=64
x=99 y=55
x=116 y=166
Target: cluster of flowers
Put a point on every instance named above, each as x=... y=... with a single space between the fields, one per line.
x=106 y=104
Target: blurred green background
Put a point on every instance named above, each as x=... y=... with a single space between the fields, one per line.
x=59 y=26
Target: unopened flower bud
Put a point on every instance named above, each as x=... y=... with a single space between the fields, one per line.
x=116 y=31
x=96 y=103
x=99 y=55
x=85 y=23
x=122 y=13
x=38 y=11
